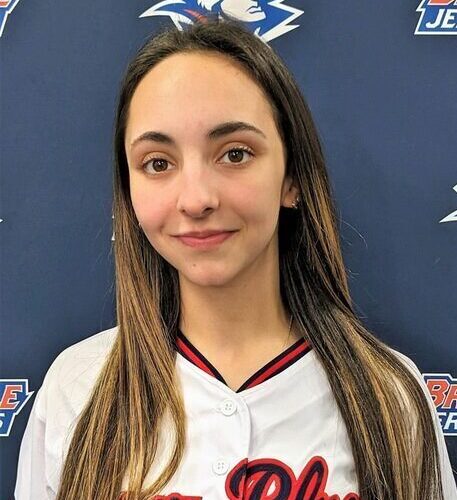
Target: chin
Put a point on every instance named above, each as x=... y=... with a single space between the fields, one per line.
x=204 y=275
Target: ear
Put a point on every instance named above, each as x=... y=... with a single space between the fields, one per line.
x=290 y=193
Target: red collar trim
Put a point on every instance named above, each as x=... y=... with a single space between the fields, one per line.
x=278 y=364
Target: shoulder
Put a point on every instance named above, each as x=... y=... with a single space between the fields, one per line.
x=94 y=347
x=73 y=373
x=416 y=373
x=409 y=363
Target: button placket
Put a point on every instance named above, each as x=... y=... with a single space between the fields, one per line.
x=238 y=426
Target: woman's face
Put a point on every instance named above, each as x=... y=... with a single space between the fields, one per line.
x=186 y=174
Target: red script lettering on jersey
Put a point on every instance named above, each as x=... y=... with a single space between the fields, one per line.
x=268 y=478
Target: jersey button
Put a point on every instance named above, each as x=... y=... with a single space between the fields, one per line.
x=220 y=466
x=228 y=407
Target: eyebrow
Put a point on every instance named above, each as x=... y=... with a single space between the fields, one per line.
x=219 y=131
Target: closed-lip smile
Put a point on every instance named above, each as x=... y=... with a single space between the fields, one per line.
x=204 y=240
x=204 y=234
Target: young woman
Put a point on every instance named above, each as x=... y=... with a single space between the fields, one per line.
x=238 y=368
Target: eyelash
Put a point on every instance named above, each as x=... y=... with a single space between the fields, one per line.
x=238 y=148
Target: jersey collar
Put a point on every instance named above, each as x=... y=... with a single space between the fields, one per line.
x=278 y=364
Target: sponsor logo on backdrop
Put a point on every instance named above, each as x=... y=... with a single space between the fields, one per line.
x=14 y=394
x=6 y=7
x=443 y=388
x=452 y=217
x=267 y=20
x=438 y=17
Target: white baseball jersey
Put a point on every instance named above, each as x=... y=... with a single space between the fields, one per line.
x=279 y=436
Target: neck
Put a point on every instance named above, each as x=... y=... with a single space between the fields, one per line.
x=238 y=316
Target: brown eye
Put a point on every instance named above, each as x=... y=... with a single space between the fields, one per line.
x=158 y=165
x=235 y=155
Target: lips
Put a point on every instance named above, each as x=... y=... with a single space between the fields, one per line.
x=204 y=234
x=204 y=242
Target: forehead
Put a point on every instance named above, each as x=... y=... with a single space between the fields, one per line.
x=187 y=92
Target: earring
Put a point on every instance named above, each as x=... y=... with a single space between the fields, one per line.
x=295 y=203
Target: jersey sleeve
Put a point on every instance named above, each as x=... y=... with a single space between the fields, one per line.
x=35 y=464
x=447 y=474
x=31 y=478
x=40 y=453
x=62 y=396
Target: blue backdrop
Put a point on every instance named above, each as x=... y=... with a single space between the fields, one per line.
x=384 y=100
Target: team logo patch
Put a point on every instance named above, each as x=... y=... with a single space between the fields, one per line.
x=438 y=17
x=266 y=19
x=443 y=389
x=6 y=7
x=14 y=394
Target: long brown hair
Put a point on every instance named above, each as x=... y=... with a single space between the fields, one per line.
x=383 y=406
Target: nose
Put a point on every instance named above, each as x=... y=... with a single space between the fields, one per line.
x=197 y=196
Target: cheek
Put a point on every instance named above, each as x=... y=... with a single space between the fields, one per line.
x=149 y=208
x=257 y=203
